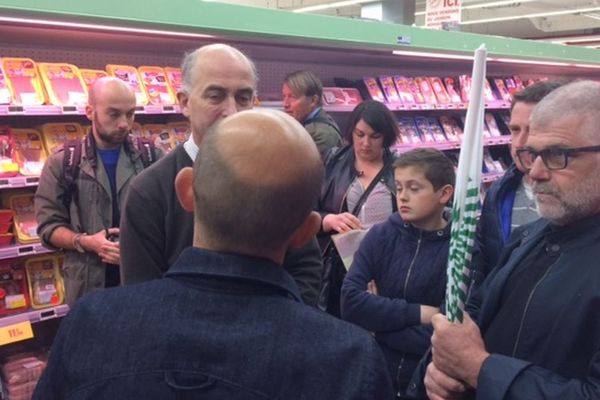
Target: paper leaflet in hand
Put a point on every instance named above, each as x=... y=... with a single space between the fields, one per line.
x=347 y=243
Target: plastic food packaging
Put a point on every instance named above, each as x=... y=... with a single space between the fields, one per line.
x=173 y=79
x=56 y=134
x=406 y=96
x=25 y=222
x=426 y=90
x=64 y=84
x=5 y=93
x=161 y=135
x=453 y=89
x=389 y=89
x=14 y=296
x=23 y=81
x=130 y=75
x=8 y=165
x=89 y=76
x=156 y=85
x=440 y=91
x=45 y=283
x=29 y=151
x=374 y=89
x=180 y=131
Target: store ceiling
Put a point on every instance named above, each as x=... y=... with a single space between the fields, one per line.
x=574 y=22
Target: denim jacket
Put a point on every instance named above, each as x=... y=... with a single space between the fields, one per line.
x=219 y=326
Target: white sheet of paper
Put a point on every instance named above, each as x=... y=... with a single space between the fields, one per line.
x=347 y=243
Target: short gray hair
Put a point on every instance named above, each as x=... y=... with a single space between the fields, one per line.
x=580 y=98
x=190 y=60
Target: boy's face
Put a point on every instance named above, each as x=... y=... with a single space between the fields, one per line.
x=418 y=203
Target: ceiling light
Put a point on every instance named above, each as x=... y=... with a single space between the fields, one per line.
x=431 y=55
x=586 y=66
x=331 y=5
x=535 y=62
x=110 y=28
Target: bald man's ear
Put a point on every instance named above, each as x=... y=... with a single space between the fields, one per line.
x=183 y=100
x=184 y=188
x=89 y=112
x=306 y=231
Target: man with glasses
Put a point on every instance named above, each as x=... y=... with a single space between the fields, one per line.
x=509 y=201
x=536 y=333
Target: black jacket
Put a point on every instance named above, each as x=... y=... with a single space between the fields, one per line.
x=557 y=352
x=339 y=175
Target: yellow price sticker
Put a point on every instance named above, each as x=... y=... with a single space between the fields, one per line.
x=15 y=332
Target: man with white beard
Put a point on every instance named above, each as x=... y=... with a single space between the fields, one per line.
x=533 y=328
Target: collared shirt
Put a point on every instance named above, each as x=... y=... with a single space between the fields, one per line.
x=191 y=148
x=312 y=114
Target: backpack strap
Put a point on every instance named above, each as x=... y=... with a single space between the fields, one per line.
x=71 y=160
x=147 y=150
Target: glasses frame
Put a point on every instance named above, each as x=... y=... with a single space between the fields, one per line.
x=564 y=152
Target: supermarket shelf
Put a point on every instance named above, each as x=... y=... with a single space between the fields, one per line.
x=488 y=141
x=19 y=250
x=34 y=316
x=19 y=181
x=6 y=110
x=494 y=105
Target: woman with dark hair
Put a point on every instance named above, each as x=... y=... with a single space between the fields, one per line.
x=358 y=190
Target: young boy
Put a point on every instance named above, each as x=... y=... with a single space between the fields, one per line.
x=398 y=278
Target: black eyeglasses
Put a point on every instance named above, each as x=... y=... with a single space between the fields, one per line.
x=554 y=158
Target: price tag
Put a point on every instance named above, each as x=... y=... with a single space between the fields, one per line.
x=15 y=333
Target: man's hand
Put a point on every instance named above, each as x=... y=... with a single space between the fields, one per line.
x=109 y=252
x=458 y=349
x=440 y=386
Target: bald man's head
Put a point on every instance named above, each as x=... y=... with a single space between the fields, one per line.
x=256 y=179
x=107 y=87
x=111 y=108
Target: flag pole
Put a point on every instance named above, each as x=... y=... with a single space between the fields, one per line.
x=466 y=195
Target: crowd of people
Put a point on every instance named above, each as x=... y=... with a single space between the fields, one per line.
x=223 y=281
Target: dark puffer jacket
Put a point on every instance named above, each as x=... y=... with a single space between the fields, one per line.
x=409 y=269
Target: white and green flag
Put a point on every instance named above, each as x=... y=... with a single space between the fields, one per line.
x=466 y=195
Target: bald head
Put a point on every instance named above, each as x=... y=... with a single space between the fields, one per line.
x=217 y=54
x=256 y=179
x=109 y=87
x=111 y=108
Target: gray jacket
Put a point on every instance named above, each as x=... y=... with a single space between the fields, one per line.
x=324 y=131
x=90 y=211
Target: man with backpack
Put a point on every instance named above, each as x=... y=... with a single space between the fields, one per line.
x=82 y=186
